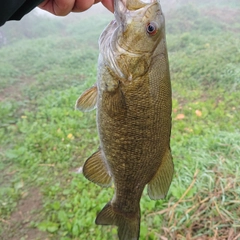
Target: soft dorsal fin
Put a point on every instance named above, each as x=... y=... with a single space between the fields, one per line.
x=88 y=100
x=160 y=183
x=95 y=169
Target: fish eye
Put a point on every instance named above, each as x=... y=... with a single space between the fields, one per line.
x=151 y=28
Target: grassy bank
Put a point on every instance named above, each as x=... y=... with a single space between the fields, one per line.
x=43 y=140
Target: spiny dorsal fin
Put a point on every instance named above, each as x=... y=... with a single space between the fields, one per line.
x=88 y=100
x=159 y=185
x=128 y=228
x=95 y=169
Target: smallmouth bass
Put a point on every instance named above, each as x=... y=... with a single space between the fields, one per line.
x=133 y=101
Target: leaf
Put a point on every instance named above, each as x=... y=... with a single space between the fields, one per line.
x=180 y=116
x=11 y=154
x=198 y=113
x=53 y=227
x=42 y=226
x=56 y=205
x=62 y=216
x=48 y=226
x=19 y=185
x=70 y=136
x=69 y=226
x=75 y=230
x=177 y=191
x=66 y=191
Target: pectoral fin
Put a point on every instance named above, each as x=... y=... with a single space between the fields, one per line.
x=114 y=103
x=88 y=100
x=160 y=183
x=95 y=170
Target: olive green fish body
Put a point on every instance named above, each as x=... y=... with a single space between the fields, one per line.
x=133 y=101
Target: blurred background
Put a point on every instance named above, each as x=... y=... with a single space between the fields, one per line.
x=46 y=62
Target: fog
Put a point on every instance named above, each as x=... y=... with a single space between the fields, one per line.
x=47 y=62
x=25 y=26
x=98 y=9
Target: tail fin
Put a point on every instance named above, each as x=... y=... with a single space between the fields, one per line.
x=128 y=227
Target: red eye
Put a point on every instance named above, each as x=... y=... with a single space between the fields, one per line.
x=152 y=28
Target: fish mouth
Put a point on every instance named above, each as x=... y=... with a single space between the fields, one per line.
x=123 y=6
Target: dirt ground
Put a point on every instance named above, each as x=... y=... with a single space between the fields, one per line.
x=18 y=226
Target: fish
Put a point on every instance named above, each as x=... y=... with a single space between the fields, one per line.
x=133 y=102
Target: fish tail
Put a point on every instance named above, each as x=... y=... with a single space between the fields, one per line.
x=128 y=226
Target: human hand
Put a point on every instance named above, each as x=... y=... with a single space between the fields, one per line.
x=64 y=7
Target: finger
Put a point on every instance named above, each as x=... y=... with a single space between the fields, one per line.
x=82 y=5
x=108 y=4
x=58 y=7
x=63 y=7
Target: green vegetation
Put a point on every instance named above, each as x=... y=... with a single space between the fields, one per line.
x=46 y=64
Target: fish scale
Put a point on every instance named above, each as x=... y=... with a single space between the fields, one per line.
x=133 y=101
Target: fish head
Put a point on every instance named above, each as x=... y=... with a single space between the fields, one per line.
x=129 y=42
x=140 y=25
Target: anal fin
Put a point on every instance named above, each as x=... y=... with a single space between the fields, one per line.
x=88 y=100
x=95 y=169
x=160 y=183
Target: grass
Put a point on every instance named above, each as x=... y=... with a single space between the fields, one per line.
x=44 y=140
